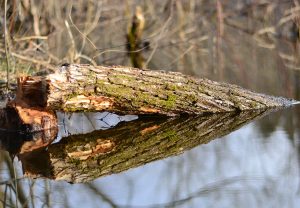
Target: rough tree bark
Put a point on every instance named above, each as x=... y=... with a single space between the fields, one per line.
x=132 y=91
x=82 y=158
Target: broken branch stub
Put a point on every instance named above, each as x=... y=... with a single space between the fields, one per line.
x=126 y=90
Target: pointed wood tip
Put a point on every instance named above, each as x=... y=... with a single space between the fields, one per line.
x=295 y=102
x=284 y=102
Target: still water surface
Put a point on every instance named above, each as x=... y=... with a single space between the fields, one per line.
x=255 y=166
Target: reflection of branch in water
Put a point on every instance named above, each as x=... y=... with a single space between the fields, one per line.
x=104 y=197
x=86 y=122
x=13 y=193
x=215 y=186
x=103 y=119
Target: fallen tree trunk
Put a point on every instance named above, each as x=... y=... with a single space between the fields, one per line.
x=132 y=91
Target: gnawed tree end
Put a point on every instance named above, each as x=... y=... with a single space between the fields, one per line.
x=126 y=90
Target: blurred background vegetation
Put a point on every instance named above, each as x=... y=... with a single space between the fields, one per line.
x=195 y=36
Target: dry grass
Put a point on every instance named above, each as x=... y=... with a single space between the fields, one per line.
x=183 y=35
x=94 y=31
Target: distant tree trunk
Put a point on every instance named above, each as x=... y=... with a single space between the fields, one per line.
x=127 y=90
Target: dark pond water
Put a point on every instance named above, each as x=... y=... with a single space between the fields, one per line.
x=257 y=165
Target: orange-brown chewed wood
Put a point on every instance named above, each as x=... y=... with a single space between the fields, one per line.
x=32 y=91
x=149 y=129
x=102 y=147
x=149 y=110
x=30 y=146
x=38 y=119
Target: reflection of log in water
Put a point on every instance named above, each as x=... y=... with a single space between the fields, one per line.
x=18 y=136
x=82 y=158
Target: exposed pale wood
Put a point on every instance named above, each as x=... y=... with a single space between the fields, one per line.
x=128 y=90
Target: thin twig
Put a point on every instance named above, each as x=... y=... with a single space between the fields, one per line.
x=6 y=46
x=81 y=33
x=180 y=56
x=73 y=52
x=119 y=51
x=34 y=37
x=5 y=193
x=32 y=60
x=104 y=197
x=160 y=34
